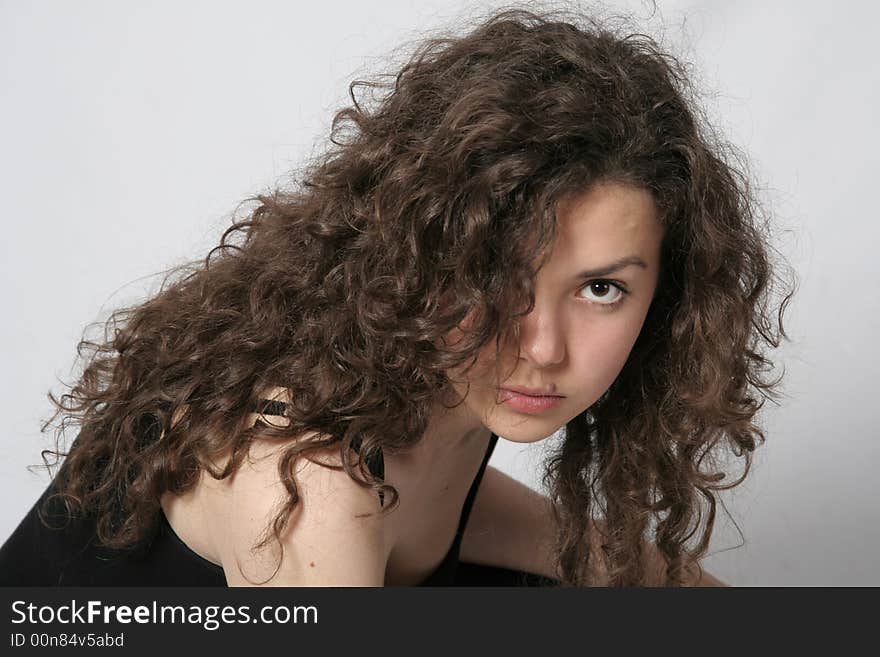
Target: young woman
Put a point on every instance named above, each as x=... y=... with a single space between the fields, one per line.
x=529 y=231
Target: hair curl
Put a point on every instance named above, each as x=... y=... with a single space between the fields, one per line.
x=430 y=207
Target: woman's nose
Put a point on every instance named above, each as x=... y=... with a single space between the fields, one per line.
x=542 y=340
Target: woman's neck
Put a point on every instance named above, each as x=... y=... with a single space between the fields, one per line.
x=452 y=431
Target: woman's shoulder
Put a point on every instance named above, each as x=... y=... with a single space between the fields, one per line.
x=334 y=533
x=260 y=476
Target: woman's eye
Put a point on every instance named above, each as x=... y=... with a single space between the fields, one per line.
x=605 y=293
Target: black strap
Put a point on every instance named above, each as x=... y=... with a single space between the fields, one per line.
x=375 y=460
x=271 y=407
x=472 y=493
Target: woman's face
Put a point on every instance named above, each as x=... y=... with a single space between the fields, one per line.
x=581 y=330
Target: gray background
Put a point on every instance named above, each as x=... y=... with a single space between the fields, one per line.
x=129 y=131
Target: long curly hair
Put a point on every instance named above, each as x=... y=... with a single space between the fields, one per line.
x=439 y=189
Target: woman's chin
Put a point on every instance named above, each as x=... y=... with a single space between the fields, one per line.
x=523 y=429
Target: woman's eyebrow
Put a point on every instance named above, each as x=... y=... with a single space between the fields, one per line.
x=613 y=267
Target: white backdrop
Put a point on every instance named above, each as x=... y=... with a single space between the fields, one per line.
x=128 y=132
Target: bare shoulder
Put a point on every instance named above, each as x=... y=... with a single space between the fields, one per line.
x=335 y=536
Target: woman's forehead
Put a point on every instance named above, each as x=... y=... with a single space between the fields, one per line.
x=606 y=205
x=611 y=219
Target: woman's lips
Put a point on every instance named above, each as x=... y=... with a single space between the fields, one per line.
x=527 y=403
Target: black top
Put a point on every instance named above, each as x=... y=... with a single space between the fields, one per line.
x=35 y=555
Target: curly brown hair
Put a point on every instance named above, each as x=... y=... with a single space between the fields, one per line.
x=430 y=207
